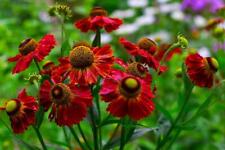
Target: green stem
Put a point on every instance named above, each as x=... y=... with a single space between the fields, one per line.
x=165 y=139
x=83 y=136
x=37 y=65
x=97 y=39
x=122 y=137
x=76 y=138
x=94 y=128
x=67 y=138
x=62 y=35
x=40 y=138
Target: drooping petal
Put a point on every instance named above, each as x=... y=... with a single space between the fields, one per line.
x=45 y=45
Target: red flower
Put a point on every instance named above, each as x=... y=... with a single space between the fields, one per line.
x=30 y=49
x=201 y=70
x=69 y=102
x=98 y=19
x=21 y=111
x=144 y=51
x=127 y=95
x=85 y=64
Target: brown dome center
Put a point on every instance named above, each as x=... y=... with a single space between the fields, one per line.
x=136 y=69
x=145 y=43
x=81 y=57
x=98 y=11
x=27 y=46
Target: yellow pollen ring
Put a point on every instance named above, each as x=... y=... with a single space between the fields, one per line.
x=131 y=83
x=11 y=106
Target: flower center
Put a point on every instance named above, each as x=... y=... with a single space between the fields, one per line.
x=212 y=63
x=98 y=11
x=136 y=69
x=81 y=57
x=27 y=46
x=145 y=43
x=130 y=87
x=60 y=93
x=12 y=106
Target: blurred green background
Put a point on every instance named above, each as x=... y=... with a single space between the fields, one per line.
x=160 y=20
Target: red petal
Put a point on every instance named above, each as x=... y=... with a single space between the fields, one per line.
x=45 y=45
x=16 y=58
x=138 y=109
x=45 y=99
x=118 y=107
x=23 y=63
x=84 y=24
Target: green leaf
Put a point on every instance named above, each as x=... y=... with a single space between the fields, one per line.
x=25 y=144
x=200 y=110
x=164 y=111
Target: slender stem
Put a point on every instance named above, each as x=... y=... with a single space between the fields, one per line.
x=62 y=35
x=67 y=138
x=37 y=65
x=40 y=138
x=94 y=129
x=97 y=39
x=112 y=136
x=163 y=142
x=76 y=138
x=83 y=136
x=122 y=138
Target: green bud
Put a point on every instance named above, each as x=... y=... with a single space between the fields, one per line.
x=182 y=41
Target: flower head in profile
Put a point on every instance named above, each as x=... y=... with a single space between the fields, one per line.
x=127 y=95
x=29 y=49
x=68 y=102
x=145 y=48
x=201 y=70
x=98 y=19
x=21 y=111
x=86 y=63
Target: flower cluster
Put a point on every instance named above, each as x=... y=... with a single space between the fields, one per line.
x=68 y=87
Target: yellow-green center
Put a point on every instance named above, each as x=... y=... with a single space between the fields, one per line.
x=11 y=106
x=130 y=87
x=212 y=64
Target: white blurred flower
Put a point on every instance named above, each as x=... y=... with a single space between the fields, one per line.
x=44 y=17
x=200 y=21
x=145 y=20
x=178 y=15
x=137 y=3
x=106 y=38
x=163 y=35
x=204 y=52
x=167 y=8
x=127 y=29
x=150 y=11
x=123 y=13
